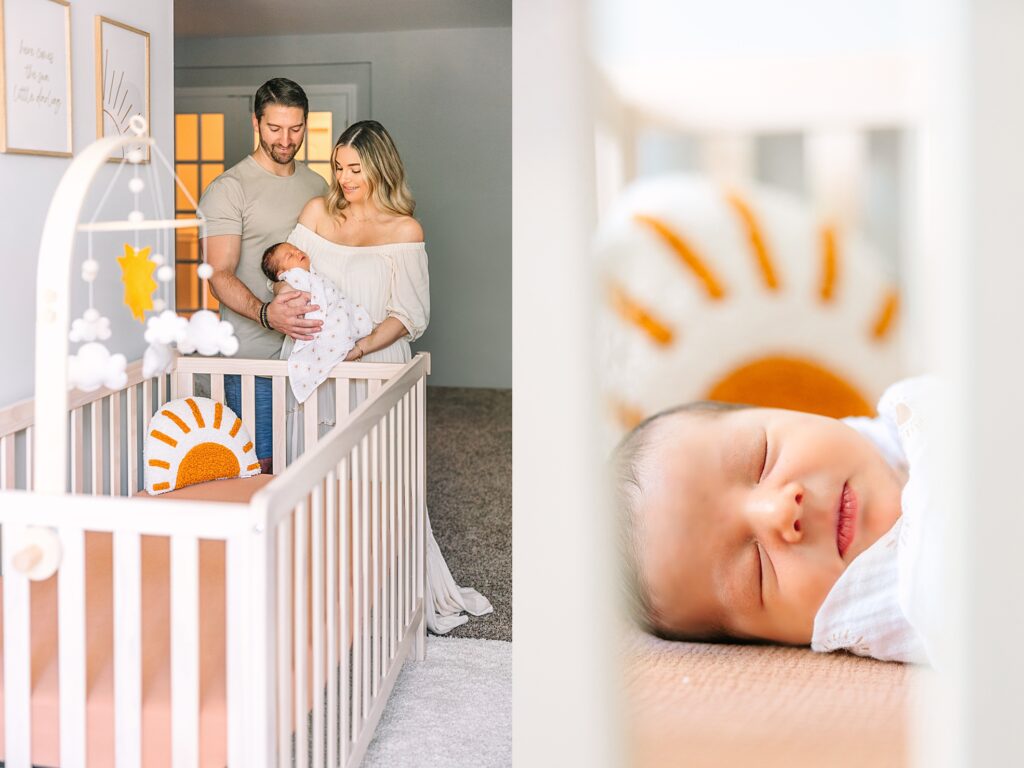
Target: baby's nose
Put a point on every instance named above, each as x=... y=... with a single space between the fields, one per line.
x=780 y=509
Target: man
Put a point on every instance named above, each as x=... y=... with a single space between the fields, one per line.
x=248 y=208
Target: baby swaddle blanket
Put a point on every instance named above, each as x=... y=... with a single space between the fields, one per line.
x=887 y=604
x=344 y=323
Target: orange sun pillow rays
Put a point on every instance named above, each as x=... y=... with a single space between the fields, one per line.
x=193 y=440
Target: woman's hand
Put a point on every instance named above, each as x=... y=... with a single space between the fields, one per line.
x=383 y=336
x=356 y=352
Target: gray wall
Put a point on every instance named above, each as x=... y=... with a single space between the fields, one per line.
x=446 y=98
x=27 y=184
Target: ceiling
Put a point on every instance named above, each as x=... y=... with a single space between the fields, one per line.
x=246 y=18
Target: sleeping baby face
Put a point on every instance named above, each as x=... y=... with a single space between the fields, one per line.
x=287 y=256
x=746 y=518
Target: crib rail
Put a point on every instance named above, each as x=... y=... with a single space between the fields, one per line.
x=104 y=454
x=322 y=575
x=360 y=531
x=345 y=384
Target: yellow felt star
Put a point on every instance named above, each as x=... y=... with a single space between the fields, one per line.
x=137 y=276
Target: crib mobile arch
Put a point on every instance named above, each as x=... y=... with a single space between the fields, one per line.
x=56 y=251
x=323 y=569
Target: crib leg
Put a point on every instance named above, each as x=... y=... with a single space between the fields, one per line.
x=421 y=640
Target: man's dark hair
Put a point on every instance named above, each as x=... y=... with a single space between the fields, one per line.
x=282 y=91
x=267 y=263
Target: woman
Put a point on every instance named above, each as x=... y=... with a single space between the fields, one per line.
x=363 y=237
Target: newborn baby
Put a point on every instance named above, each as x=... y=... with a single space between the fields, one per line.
x=344 y=322
x=745 y=522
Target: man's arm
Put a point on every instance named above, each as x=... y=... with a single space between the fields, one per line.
x=285 y=313
x=223 y=253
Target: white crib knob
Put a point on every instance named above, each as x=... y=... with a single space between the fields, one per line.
x=35 y=552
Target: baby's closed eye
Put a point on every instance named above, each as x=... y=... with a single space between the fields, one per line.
x=761 y=451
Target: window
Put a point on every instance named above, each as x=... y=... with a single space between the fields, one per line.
x=198 y=160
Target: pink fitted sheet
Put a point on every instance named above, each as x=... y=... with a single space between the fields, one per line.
x=156 y=649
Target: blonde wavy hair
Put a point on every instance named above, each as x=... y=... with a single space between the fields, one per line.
x=381 y=167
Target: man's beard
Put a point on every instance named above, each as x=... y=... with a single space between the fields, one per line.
x=276 y=156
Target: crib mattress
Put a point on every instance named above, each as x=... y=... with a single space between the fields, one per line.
x=156 y=674
x=705 y=704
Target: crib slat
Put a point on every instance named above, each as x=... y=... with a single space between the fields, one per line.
x=385 y=550
x=148 y=387
x=402 y=528
x=185 y=652
x=181 y=386
x=284 y=642
x=356 y=591
x=421 y=512
x=236 y=650
x=217 y=387
x=410 y=519
x=77 y=450
x=71 y=646
x=300 y=642
x=133 y=440
x=346 y=593
x=375 y=605
x=115 y=444
x=317 y=621
x=17 y=667
x=374 y=385
x=393 y=559
x=96 y=421
x=30 y=478
x=7 y=465
x=835 y=162
x=310 y=421
x=342 y=389
x=161 y=389
x=249 y=404
x=278 y=389
x=364 y=576
x=127 y=648
x=332 y=617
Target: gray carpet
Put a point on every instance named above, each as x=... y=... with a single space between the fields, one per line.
x=469 y=494
x=453 y=710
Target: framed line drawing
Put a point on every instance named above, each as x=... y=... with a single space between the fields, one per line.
x=122 y=80
x=35 y=77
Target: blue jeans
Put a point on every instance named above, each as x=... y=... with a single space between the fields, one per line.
x=264 y=410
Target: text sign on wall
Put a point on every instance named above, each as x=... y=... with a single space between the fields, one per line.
x=35 y=69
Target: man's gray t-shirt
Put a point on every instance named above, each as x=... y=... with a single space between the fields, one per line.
x=250 y=201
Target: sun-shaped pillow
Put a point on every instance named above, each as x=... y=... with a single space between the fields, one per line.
x=193 y=440
x=742 y=295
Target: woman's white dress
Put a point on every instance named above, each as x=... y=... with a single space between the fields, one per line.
x=387 y=281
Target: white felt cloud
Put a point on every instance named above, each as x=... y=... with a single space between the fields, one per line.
x=166 y=328
x=207 y=334
x=91 y=326
x=158 y=359
x=94 y=367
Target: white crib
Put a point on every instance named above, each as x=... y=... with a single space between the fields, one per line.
x=323 y=581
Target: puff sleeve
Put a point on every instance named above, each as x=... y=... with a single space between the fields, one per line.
x=410 y=289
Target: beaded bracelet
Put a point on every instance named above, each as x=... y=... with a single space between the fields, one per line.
x=264 y=320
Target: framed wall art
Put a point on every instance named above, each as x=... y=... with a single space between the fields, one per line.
x=35 y=77
x=122 y=79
